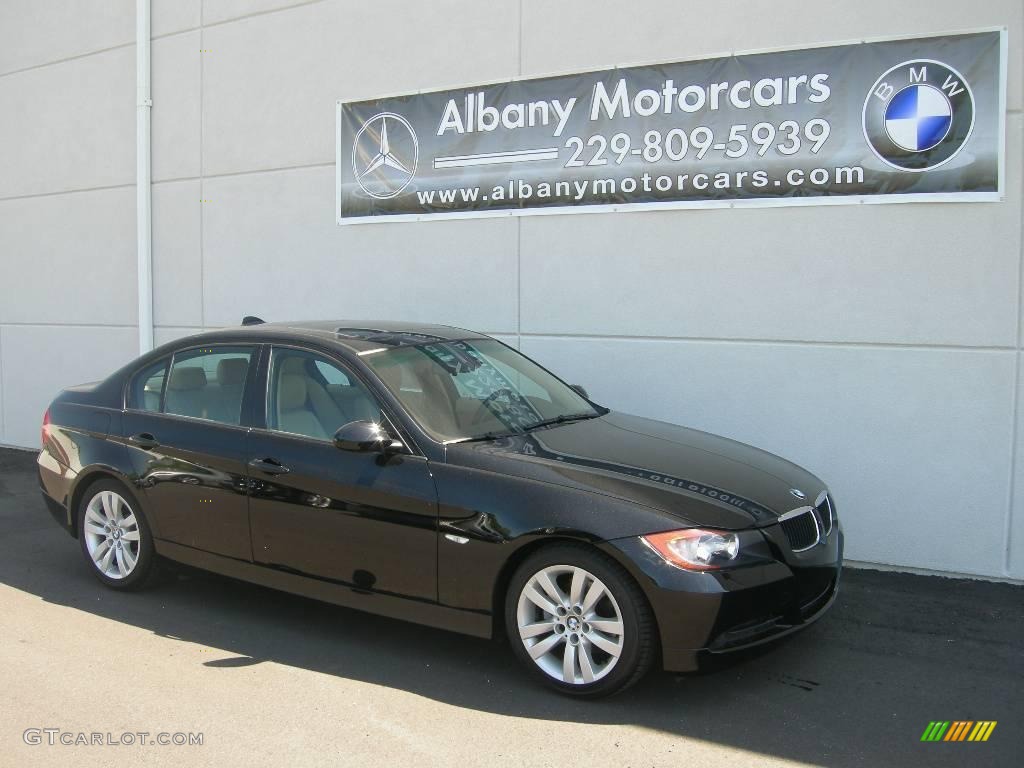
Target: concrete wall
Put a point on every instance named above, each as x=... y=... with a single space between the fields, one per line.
x=893 y=374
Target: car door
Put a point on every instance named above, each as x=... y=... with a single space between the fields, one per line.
x=363 y=519
x=186 y=439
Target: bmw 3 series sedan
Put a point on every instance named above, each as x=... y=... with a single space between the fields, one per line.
x=436 y=475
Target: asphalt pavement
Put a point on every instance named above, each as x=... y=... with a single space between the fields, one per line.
x=271 y=679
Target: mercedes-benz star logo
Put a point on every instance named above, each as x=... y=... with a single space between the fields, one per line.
x=385 y=154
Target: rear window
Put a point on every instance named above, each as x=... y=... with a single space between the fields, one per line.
x=147 y=388
x=208 y=383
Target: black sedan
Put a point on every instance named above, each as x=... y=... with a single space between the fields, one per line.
x=437 y=475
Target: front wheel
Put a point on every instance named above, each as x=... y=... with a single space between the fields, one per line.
x=115 y=536
x=579 y=621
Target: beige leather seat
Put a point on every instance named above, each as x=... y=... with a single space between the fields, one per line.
x=325 y=413
x=231 y=373
x=294 y=413
x=186 y=392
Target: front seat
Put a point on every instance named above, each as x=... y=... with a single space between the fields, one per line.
x=293 y=411
x=323 y=406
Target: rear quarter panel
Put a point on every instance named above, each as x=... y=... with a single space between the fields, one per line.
x=84 y=441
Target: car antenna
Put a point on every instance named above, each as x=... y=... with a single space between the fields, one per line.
x=252 y=320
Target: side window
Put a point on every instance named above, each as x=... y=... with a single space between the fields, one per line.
x=147 y=387
x=208 y=383
x=331 y=373
x=312 y=396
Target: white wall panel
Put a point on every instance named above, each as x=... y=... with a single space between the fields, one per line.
x=69 y=258
x=915 y=443
x=176 y=106
x=39 y=361
x=169 y=16
x=34 y=32
x=4 y=440
x=177 y=259
x=272 y=248
x=218 y=11
x=37 y=32
x=272 y=81
x=68 y=126
x=162 y=335
x=1015 y=546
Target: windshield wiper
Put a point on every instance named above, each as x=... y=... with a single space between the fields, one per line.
x=485 y=436
x=562 y=419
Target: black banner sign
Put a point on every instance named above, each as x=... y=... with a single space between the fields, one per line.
x=886 y=121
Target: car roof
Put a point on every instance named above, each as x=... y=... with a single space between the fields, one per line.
x=354 y=335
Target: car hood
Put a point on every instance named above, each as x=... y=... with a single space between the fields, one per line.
x=696 y=477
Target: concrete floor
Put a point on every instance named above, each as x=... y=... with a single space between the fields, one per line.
x=273 y=679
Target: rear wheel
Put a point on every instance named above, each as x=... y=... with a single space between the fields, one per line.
x=115 y=537
x=579 y=622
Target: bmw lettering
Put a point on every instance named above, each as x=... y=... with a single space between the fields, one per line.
x=918 y=115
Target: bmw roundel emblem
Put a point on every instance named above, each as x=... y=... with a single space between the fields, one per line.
x=918 y=115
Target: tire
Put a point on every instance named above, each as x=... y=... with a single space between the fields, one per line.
x=131 y=565
x=604 y=644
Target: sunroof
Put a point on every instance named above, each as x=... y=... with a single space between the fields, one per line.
x=388 y=338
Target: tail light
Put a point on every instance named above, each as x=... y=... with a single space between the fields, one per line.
x=45 y=436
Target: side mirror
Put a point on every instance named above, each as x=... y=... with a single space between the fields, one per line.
x=366 y=437
x=579 y=390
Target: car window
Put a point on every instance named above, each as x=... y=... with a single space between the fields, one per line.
x=208 y=383
x=312 y=396
x=466 y=389
x=332 y=374
x=147 y=387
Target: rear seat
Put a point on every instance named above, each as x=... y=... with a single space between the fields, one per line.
x=186 y=392
x=226 y=398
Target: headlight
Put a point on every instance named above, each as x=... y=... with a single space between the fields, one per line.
x=695 y=549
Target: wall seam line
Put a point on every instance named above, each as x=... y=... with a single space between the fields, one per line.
x=3 y=415
x=519 y=219
x=202 y=191
x=254 y=14
x=171 y=180
x=777 y=342
x=33 y=195
x=17 y=324
x=1015 y=411
x=1011 y=485
x=65 y=60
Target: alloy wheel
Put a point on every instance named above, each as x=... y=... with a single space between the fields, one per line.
x=570 y=624
x=111 y=533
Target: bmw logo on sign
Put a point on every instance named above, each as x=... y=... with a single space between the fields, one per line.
x=918 y=115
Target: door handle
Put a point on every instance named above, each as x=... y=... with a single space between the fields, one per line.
x=143 y=440
x=269 y=466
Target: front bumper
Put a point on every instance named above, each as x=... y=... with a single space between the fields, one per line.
x=713 y=612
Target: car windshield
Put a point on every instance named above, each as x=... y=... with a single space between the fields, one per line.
x=459 y=390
